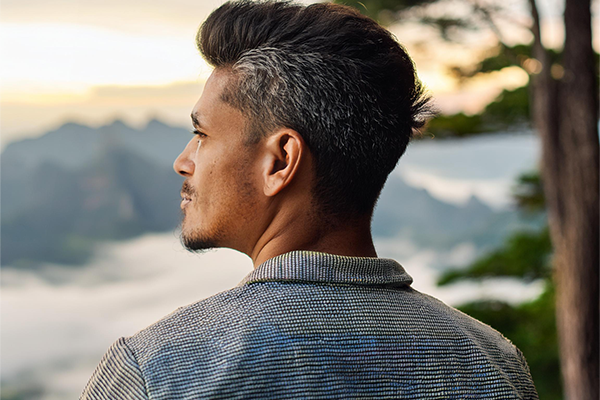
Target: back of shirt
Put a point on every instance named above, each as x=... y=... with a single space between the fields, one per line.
x=311 y=325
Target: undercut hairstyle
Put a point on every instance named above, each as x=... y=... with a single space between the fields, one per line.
x=333 y=75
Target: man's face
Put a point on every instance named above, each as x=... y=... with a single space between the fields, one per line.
x=219 y=193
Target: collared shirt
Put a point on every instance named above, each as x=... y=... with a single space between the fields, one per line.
x=319 y=326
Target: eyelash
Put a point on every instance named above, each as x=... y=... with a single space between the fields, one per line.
x=200 y=134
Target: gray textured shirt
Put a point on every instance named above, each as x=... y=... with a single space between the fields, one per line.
x=320 y=326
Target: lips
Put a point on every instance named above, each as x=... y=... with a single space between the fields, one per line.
x=186 y=194
x=185 y=201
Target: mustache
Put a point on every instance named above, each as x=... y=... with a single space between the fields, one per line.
x=187 y=189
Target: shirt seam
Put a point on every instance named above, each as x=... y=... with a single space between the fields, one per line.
x=146 y=391
x=390 y=285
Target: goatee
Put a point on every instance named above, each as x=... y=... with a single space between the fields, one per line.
x=195 y=241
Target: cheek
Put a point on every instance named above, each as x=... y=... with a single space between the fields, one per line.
x=213 y=183
x=205 y=165
x=246 y=183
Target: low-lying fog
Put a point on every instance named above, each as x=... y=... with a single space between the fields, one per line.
x=57 y=324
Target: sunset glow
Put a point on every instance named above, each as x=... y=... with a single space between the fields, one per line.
x=82 y=61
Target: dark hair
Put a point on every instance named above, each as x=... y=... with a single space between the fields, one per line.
x=335 y=76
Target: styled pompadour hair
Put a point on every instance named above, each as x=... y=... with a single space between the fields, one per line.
x=333 y=75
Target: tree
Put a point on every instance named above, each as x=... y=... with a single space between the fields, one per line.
x=564 y=111
x=566 y=118
x=531 y=326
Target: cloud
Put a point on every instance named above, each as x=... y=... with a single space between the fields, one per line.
x=171 y=103
x=75 y=56
x=486 y=166
x=126 y=287
x=176 y=91
x=173 y=18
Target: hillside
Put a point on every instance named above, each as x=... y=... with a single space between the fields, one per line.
x=75 y=186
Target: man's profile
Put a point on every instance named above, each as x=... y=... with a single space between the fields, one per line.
x=307 y=111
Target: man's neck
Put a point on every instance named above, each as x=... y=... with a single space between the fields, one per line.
x=349 y=238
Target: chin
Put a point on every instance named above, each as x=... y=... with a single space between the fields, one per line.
x=198 y=241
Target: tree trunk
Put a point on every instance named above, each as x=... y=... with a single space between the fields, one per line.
x=566 y=119
x=577 y=250
x=546 y=116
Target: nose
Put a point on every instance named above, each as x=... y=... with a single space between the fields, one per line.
x=183 y=164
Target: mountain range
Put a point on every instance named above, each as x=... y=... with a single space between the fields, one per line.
x=75 y=186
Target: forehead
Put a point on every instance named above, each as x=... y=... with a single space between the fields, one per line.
x=211 y=111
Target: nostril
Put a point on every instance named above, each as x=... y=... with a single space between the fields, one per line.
x=183 y=166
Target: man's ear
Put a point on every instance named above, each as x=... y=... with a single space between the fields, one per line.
x=284 y=151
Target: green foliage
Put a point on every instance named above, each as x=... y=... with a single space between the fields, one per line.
x=501 y=57
x=504 y=57
x=389 y=11
x=447 y=27
x=456 y=125
x=383 y=10
x=525 y=255
x=529 y=193
x=510 y=108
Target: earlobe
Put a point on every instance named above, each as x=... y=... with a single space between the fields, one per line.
x=284 y=153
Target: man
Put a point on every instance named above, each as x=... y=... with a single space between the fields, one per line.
x=306 y=113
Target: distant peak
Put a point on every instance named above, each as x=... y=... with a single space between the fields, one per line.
x=117 y=123
x=156 y=123
x=475 y=201
x=72 y=125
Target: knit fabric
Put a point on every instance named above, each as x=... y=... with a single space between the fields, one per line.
x=318 y=326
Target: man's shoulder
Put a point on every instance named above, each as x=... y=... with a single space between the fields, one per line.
x=203 y=324
x=451 y=319
x=455 y=332
x=199 y=319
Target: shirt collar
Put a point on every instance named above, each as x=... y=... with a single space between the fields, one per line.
x=310 y=266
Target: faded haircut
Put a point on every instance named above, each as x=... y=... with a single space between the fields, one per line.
x=333 y=75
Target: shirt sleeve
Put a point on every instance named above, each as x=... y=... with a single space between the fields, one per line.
x=118 y=376
x=528 y=392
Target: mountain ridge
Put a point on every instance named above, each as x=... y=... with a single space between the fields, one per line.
x=76 y=186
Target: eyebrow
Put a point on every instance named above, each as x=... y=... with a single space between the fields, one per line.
x=195 y=120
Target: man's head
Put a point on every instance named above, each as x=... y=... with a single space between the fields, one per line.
x=334 y=79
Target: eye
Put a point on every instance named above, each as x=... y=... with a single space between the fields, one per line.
x=200 y=135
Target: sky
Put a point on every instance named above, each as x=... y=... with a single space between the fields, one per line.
x=94 y=61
